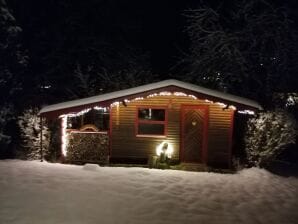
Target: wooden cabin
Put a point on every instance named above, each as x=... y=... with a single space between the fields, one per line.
x=193 y=124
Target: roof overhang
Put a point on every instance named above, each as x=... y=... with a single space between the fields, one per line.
x=145 y=90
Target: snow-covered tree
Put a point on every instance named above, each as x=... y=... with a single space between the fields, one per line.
x=246 y=47
x=268 y=135
x=12 y=56
x=90 y=80
x=125 y=78
x=30 y=128
x=12 y=62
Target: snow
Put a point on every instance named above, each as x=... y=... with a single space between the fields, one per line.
x=34 y=192
x=149 y=87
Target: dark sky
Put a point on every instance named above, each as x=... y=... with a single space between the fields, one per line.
x=159 y=32
x=164 y=31
x=160 y=24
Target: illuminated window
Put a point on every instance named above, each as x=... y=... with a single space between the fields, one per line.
x=151 y=121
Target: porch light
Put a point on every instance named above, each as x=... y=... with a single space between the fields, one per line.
x=165 y=147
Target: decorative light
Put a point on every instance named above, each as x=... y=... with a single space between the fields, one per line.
x=46 y=87
x=249 y=112
x=192 y=96
x=80 y=113
x=64 y=134
x=165 y=147
x=161 y=147
x=83 y=112
x=165 y=94
x=100 y=108
x=152 y=95
x=179 y=94
x=221 y=104
x=138 y=98
x=115 y=104
x=232 y=107
x=291 y=101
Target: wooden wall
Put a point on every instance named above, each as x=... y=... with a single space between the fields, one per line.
x=124 y=142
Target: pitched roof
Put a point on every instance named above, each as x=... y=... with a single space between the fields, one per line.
x=148 y=87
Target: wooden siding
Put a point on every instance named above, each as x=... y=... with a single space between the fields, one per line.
x=124 y=142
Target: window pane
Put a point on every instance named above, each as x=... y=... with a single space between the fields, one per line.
x=152 y=114
x=151 y=129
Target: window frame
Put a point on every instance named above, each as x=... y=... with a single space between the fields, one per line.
x=141 y=121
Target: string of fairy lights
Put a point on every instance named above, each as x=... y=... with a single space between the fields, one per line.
x=126 y=101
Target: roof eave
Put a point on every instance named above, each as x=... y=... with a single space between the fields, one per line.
x=150 y=87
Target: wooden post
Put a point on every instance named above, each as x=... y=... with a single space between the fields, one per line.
x=41 y=149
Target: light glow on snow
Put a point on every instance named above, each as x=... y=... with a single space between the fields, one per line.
x=168 y=149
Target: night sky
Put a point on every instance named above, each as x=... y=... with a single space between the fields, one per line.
x=155 y=26
x=110 y=36
x=158 y=27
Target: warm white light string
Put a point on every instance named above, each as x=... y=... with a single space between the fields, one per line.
x=64 y=140
x=117 y=103
x=249 y=112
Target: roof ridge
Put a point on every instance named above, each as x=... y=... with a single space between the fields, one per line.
x=148 y=87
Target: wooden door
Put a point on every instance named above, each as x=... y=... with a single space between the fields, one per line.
x=194 y=125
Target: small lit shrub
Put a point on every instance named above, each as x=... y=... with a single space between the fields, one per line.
x=30 y=130
x=268 y=135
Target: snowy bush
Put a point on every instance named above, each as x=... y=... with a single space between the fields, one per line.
x=267 y=135
x=30 y=128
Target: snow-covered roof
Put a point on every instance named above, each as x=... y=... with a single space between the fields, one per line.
x=148 y=87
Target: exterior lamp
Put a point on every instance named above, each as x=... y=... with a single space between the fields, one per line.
x=164 y=150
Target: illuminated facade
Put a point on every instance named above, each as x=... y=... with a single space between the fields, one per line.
x=187 y=122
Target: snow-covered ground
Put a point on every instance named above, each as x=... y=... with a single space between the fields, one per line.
x=34 y=192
